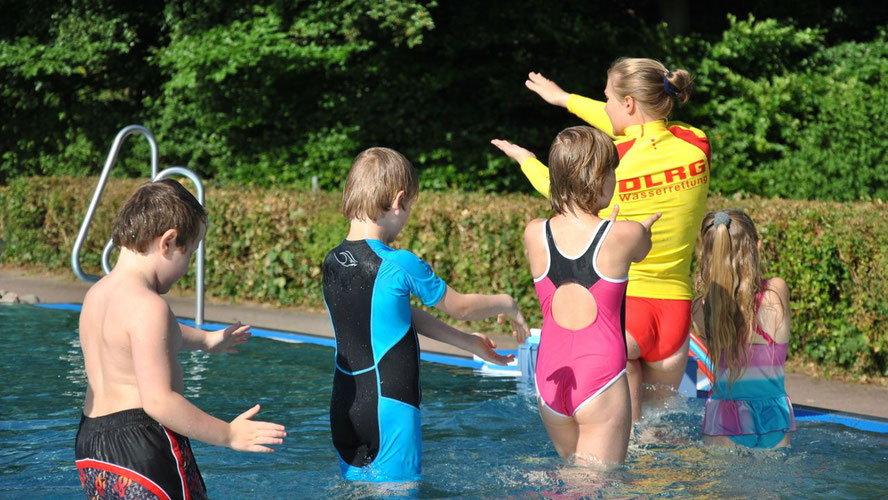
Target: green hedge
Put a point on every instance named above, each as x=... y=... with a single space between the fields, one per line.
x=267 y=245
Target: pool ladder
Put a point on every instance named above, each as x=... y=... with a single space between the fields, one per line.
x=156 y=176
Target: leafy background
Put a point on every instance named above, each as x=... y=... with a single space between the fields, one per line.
x=276 y=92
x=260 y=96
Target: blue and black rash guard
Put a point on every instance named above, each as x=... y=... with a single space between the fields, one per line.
x=374 y=409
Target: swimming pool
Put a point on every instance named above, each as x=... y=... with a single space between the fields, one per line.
x=481 y=437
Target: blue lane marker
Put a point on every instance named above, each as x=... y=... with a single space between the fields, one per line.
x=64 y=307
x=443 y=359
x=802 y=413
x=810 y=414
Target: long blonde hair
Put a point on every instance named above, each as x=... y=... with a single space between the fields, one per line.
x=646 y=81
x=730 y=279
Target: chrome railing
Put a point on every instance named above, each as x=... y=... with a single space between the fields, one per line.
x=90 y=212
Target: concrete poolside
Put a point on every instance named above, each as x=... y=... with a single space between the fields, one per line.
x=803 y=390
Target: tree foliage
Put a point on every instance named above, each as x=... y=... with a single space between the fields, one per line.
x=280 y=91
x=789 y=117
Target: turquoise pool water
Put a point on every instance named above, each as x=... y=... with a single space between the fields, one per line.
x=481 y=437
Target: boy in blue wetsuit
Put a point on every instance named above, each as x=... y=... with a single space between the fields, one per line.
x=374 y=409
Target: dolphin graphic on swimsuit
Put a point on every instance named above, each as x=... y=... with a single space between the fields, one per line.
x=348 y=260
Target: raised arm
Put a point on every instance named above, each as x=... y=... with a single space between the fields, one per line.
x=471 y=306
x=536 y=172
x=638 y=234
x=547 y=89
x=628 y=242
x=153 y=333
x=589 y=110
x=475 y=343
x=635 y=235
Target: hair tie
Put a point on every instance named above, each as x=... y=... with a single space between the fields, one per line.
x=721 y=218
x=671 y=90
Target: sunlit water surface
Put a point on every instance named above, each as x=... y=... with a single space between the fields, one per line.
x=481 y=436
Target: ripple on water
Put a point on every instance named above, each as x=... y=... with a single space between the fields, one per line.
x=482 y=437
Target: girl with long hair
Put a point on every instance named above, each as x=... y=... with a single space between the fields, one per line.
x=745 y=323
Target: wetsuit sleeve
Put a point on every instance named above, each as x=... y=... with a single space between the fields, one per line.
x=537 y=174
x=420 y=279
x=592 y=112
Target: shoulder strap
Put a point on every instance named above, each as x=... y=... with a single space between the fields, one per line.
x=599 y=237
x=758 y=304
x=579 y=269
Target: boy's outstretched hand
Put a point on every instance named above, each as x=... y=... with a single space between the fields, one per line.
x=249 y=435
x=228 y=339
x=519 y=327
x=547 y=89
x=513 y=151
x=482 y=346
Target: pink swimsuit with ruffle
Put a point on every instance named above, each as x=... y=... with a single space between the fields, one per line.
x=756 y=404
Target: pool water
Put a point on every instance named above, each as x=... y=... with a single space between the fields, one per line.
x=481 y=436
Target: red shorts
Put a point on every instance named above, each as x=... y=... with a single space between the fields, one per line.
x=660 y=327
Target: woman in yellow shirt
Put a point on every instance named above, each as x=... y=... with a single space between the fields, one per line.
x=664 y=167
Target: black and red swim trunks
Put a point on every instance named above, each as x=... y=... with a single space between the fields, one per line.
x=130 y=455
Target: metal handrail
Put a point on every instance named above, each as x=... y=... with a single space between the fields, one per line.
x=103 y=179
x=199 y=275
x=90 y=212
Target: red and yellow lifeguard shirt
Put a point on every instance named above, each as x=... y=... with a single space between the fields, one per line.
x=664 y=167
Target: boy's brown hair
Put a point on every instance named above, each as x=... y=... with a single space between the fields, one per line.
x=153 y=209
x=579 y=160
x=376 y=176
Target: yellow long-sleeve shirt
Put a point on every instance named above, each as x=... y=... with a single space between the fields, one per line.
x=664 y=167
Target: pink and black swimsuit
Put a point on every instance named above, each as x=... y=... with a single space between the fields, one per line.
x=574 y=366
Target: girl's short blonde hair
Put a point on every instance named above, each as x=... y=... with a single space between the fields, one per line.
x=374 y=180
x=580 y=159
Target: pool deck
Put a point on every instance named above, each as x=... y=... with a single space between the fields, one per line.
x=51 y=288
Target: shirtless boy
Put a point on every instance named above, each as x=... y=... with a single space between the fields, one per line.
x=133 y=436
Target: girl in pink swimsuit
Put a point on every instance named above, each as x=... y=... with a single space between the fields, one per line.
x=580 y=264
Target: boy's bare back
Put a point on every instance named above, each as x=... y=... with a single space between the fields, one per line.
x=136 y=421
x=114 y=309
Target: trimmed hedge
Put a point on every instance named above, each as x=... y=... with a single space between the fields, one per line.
x=267 y=245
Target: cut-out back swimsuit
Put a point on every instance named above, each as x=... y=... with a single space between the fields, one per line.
x=575 y=366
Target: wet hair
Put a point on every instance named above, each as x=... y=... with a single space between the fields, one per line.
x=730 y=279
x=580 y=159
x=654 y=88
x=374 y=180
x=153 y=209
